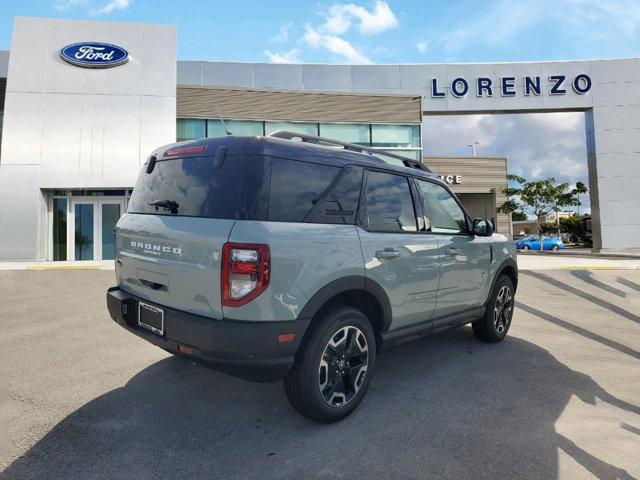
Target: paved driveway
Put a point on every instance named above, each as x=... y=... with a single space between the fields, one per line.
x=559 y=398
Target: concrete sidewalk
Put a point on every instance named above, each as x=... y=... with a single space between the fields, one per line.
x=86 y=264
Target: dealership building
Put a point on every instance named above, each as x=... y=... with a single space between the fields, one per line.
x=83 y=103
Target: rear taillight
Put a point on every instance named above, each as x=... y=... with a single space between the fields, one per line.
x=246 y=268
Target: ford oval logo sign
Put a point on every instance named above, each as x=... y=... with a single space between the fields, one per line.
x=94 y=55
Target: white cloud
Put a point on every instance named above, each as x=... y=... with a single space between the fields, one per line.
x=284 y=57
x=340 y=16
x=422 y=46
x=334 y=44
x=340 y=19
x=92 y=7
x=114 y=5
x=283 y=33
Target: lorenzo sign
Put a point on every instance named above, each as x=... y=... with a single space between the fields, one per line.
x=94 y=55
x=506 y=86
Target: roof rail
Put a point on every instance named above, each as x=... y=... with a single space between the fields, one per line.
x=289 y=135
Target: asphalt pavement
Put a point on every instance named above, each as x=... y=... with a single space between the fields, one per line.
x=81 y=398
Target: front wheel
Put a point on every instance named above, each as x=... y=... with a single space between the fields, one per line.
x=334 y=366
x=555 y=248
x=525 y=247
x=495 y=323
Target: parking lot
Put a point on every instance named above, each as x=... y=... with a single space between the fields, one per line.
x=559 y=398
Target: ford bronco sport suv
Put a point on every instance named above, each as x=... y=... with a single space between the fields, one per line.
x=269 y=258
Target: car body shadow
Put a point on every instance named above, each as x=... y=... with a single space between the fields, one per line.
x=445 y=406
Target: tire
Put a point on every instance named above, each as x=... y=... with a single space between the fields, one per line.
x=495 y=323
x=555 y=248
x=525 y=247
x=326 y=357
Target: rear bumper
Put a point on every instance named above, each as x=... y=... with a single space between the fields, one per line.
x=249 y=350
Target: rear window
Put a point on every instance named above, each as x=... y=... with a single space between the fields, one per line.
x=296 y=187
x=190 y=187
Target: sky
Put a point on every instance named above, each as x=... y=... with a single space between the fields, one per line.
x=399 y=31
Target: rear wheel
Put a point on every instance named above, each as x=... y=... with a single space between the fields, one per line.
x=555 y=248
x=495 y=323
x=525 y=247
x=334 y=366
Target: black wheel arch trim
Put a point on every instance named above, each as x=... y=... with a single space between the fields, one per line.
x=507 y=262
x=346 y=284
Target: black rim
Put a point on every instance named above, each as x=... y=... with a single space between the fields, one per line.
x=343 y=366
x=502 y=310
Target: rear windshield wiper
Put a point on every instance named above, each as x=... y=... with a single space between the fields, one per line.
x=166 y=204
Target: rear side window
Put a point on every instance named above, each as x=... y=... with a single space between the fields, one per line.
x=388 y=204
x=191 y=187
x=296 y=187
x=339 y=204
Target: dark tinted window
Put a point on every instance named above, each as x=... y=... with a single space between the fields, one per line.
x=296 y=187
x=256 y=192
x=444 y=215
x=389 y=207
x=340 y=202
x=190 y=187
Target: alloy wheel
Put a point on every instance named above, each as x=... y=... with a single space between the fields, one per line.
x=343 y=366
x=502 y=309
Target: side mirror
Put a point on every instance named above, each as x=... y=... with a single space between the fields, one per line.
x=482 y=227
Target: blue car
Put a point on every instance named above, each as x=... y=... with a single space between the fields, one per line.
x=532 y=242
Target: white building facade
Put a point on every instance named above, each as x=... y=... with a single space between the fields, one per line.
x=75 y=136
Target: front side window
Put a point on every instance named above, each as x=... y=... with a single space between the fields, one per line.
x=443 y=213
x=296 y=187
x=388 y=204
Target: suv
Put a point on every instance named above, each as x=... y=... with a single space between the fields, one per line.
x=269 y=258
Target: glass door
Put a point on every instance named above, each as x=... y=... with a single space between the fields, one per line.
x=84 y=229
x=89 y=227
x=110 y=212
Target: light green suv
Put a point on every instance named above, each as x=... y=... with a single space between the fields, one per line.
x=273 y=258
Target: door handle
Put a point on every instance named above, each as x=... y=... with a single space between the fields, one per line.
x=387 y=254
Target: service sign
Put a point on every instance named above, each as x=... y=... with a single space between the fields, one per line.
x=94 y=55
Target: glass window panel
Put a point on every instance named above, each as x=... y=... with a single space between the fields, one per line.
x=410 y=154
x=389 y=207
x=240 y=128
x=444 y=215
x=190 y=187
x=298 y=127
x=341 y=202
x=347 y=132
x=83 y=231
x=110 y=216
x=59 y=229
x=296 y=187
x=395 y=135
x=190 y=128
x=98 y=193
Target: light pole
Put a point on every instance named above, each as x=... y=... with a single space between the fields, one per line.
x=473 y=147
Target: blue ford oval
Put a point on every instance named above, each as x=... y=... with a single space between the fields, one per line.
x=94 y=54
